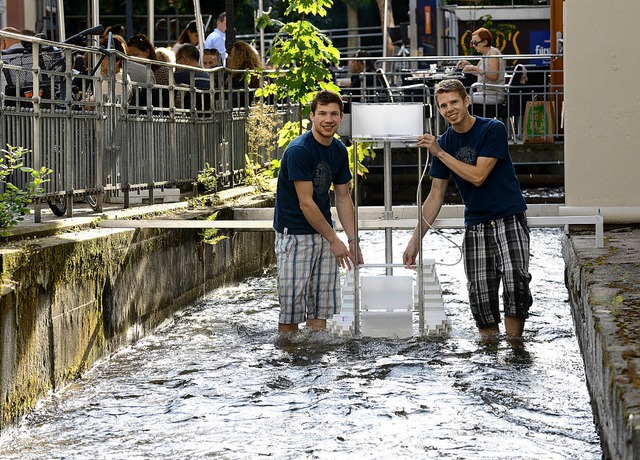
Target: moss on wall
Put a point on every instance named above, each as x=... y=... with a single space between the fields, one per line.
x=74 y=298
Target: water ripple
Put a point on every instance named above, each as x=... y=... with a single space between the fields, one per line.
x=218 y=381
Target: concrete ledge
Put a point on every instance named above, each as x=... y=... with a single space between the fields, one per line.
x=74 y=297
x=56 y=225
x=604 y=289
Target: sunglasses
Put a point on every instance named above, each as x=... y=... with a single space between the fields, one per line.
x=476 y=43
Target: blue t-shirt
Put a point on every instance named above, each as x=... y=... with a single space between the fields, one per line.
x=200 y=79
x=305 y=159
x=500 y=194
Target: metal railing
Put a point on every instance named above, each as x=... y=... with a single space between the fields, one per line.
x=530 y=107
x=103 y=145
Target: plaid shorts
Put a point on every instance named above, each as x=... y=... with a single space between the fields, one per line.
x=307 y=278
x=494 y=251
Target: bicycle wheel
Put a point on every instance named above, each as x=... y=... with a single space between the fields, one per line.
x=58 y=206
x=92 y=200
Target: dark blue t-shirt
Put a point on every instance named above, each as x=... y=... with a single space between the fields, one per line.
x=200 y=79
x=500 y=194
x=305 y=159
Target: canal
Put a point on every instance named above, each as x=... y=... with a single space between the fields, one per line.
x=216 y=381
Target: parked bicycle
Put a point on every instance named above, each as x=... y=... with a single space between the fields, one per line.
x=52 y=86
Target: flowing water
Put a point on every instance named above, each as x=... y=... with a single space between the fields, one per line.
x=216 y=381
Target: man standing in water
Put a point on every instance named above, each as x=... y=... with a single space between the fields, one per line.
x=308 y=250
x=496 y=242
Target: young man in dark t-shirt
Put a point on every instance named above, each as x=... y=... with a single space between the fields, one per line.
x=308 y=250
x=474 y=151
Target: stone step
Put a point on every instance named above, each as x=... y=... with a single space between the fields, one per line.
x=167 y=195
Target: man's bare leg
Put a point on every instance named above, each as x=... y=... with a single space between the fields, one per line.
x=514 y=327
x=489 y=333
x=317 y=324
x=284 y=328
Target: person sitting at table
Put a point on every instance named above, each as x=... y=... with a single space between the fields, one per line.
x=242 y=59
x=190 y=56
x=490 y=69
x=122 y=89
x=359 y=68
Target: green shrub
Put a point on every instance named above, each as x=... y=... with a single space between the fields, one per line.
x=14 y=201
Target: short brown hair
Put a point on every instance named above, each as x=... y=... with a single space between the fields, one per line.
x=450 y=86
x=325 y=97
x=188 y=51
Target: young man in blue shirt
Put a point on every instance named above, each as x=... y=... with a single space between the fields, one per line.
x=308 y=249
x=475 y=152
x=217 y=38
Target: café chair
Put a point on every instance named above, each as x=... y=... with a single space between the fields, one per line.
x=510 y=109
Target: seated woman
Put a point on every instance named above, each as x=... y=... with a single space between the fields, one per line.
x=243 y=57
x=189 y=35
x=122 y=81
x=490 y=69
x=140 y=46
x=363 y=78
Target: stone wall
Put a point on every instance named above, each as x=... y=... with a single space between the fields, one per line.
x=603 y=287
x=71 y=299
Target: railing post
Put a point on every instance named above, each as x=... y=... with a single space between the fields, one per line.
x=69 y=179
x=37 y=125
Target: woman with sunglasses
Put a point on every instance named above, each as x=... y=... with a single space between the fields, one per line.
x=140 y=46
x=489 y=69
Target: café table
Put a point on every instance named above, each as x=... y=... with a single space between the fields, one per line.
x=433 y=77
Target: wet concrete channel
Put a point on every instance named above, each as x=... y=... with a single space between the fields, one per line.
x=216 y=381
x=518 y=395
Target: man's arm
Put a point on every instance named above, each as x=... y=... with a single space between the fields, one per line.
x=475 y=174
x=346 y=214
x=313 y=215
x=430 y=210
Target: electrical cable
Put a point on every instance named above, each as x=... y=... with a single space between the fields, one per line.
x=424 y=172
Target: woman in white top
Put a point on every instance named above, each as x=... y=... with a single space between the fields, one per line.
x=489 y=70
x=122 y=81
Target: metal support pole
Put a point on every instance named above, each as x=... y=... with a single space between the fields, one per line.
x=200 y=26
x=420 y=268
x=356 y=268
x=37 y=126
x=385 y=34
x=260 y=13
x=151 y=22
x=95 y=13
x=388 y=207
x=128 y=25
x=60 y=15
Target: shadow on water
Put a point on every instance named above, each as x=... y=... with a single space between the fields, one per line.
x=217 y=381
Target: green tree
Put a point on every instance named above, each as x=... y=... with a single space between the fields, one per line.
x=301 y=57
x=14 y=201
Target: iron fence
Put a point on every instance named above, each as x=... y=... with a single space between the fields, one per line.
x=103 y=145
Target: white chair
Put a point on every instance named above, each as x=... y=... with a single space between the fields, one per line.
x=510 y=108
